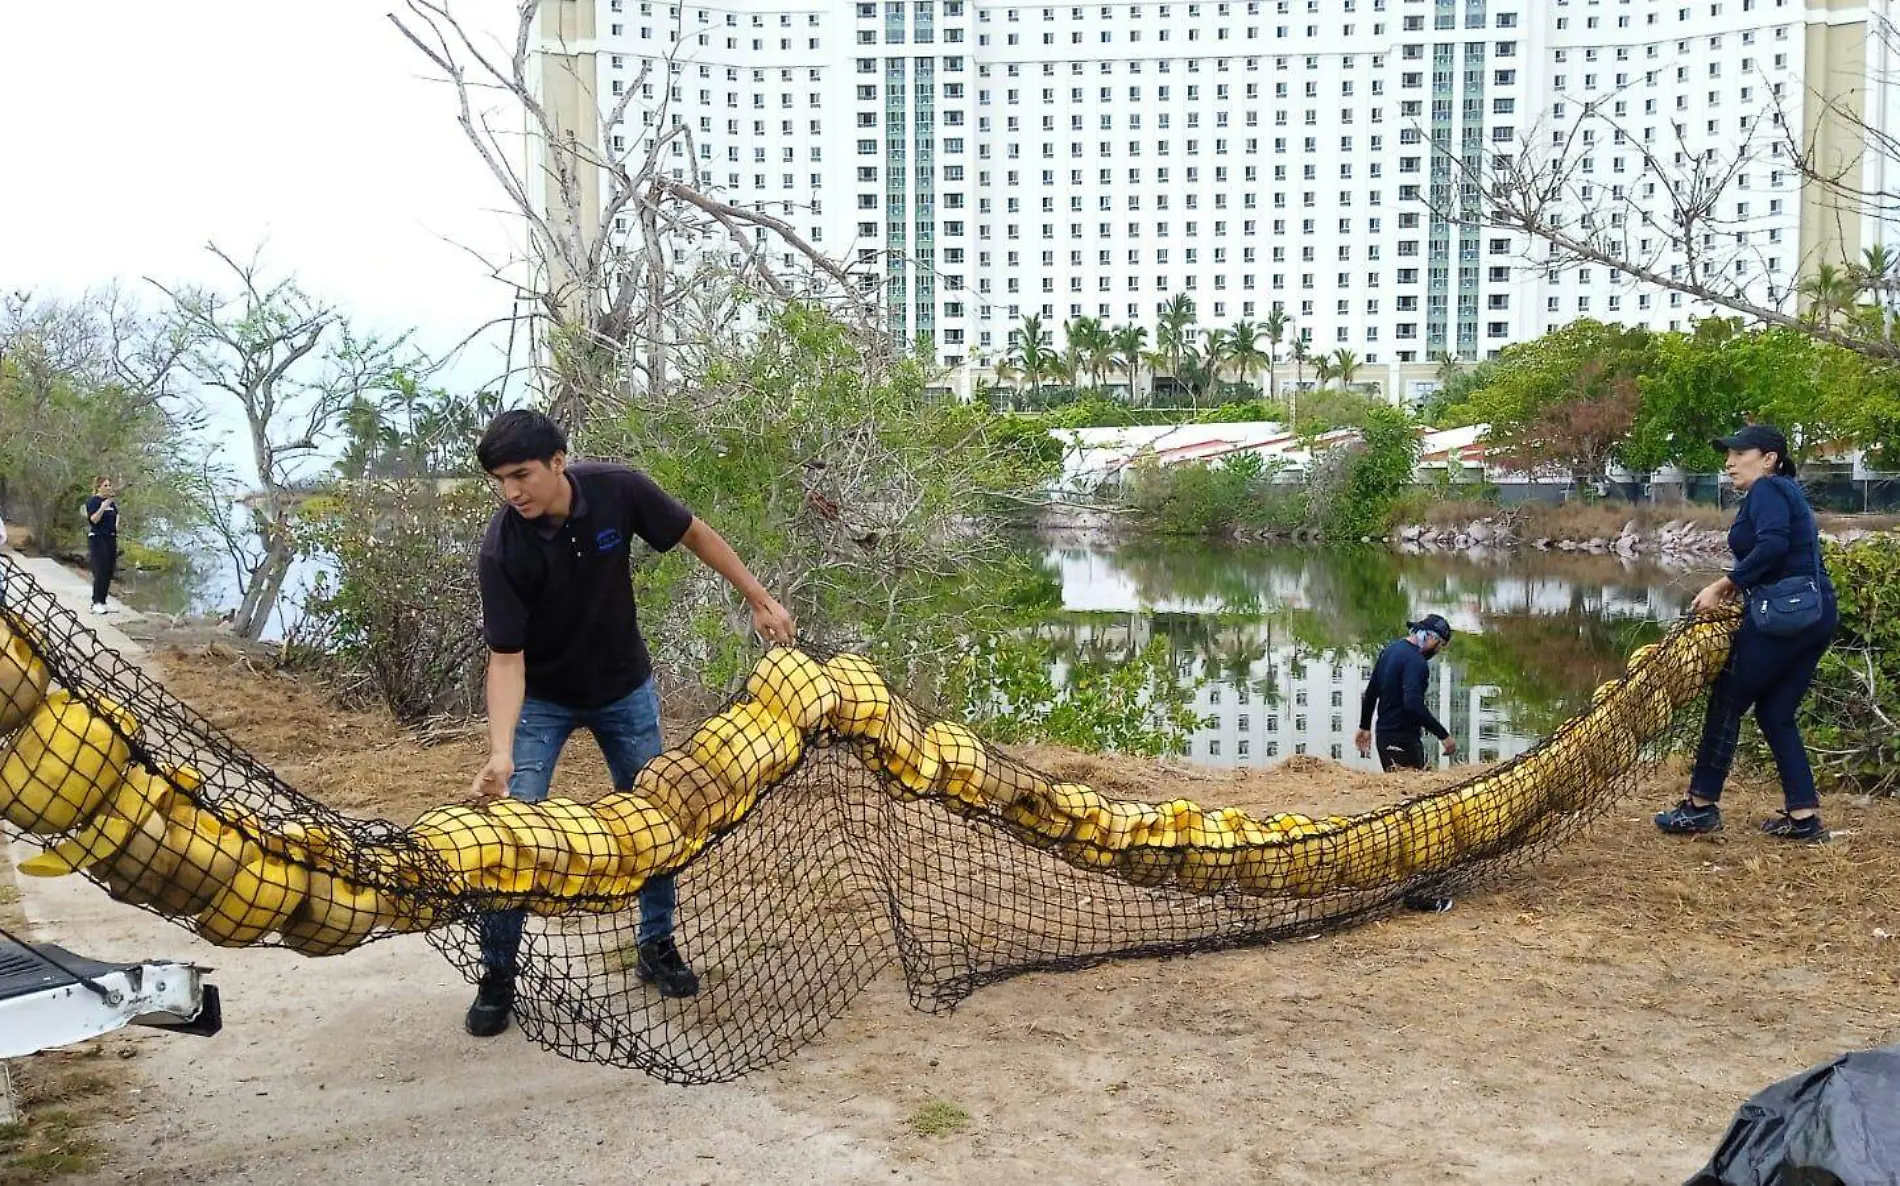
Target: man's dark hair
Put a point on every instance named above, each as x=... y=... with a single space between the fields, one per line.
x=518 y=436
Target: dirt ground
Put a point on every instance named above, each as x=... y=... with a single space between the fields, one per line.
x=1596 y=1019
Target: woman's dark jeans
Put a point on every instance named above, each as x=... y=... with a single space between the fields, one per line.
x=1770 y=675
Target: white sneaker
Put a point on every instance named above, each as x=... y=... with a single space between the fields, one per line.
x=99 y=609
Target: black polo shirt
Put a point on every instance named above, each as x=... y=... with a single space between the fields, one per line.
x=561 y=591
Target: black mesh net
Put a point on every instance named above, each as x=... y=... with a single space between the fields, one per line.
x=815 y=827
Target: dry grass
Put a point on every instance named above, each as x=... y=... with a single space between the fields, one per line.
x=1577 y=520
x=1572 y=520
x=1834 y=522
x=361 y=762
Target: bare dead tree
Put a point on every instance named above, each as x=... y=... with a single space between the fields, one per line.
x=1670 y=216
x=617 y=235
x=292 y=365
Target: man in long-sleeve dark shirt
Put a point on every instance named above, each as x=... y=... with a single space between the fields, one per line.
x=1396 y=690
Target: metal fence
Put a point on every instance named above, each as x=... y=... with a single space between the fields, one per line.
x=1839 y=491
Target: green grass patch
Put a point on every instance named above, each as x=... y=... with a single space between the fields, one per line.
x=44 y=1148
x=939 y=1118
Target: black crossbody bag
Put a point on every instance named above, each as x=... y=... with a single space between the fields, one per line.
x=1791 y=604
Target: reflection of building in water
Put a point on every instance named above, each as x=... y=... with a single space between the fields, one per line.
x=1265 y=696
x=1094 y=579
x=1268 y=694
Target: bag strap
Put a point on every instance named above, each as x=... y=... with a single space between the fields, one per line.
x=1814 y=525
x=1815 y=521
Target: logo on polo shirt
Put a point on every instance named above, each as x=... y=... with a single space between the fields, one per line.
x=607 y=540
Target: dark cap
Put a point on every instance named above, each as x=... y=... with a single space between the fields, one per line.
x=1433 y=623
x=1754 y=436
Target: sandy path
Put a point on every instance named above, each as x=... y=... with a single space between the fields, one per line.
x=357 y=1070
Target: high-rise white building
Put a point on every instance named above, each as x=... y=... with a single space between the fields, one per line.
x=980 y=162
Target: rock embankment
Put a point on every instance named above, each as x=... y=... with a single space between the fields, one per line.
x=1674 y=539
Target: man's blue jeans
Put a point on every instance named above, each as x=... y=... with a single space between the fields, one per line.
x=628 y=731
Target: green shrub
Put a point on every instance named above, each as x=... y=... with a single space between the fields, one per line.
x=1378 y=470
x=1851 y=718
x=1205 y=498
x=399 y=618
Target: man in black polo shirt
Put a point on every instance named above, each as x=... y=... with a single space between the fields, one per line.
x=565 y=652
x=1396 y=689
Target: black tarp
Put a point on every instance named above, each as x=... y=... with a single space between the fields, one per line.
x=1831 y=1125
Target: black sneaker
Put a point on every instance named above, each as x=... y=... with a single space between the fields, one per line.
x=494 y=1001
x=1802 y=831
x=1427 y=904
x=660 y=964
x=1686 y=819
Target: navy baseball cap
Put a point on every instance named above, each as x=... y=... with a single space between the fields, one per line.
x=1753 y=436
x=1433 y=623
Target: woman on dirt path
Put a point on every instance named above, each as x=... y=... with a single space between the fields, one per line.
x=1790 y=614
x=102 y=540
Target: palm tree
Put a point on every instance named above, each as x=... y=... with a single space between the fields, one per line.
x=1092 y=345
x=1243 y=350
x=1878 y=273
x=1127 y=343
x=1275 y=327
x=1006 y=376
x=1171 y=329
x=1217 y=349
x=1156 y=362
x=1323 y=370
x=1030 y=354
x=1450 y=366
x=1298 y=353
x=369 y=437
x=1345 y=367
x=1877 y=267
x=1828 y=292
x=1200 y=371
x=1063 y=367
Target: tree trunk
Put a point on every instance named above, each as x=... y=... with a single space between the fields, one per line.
x=568 y=407
x=265 y=586
x=657 y=360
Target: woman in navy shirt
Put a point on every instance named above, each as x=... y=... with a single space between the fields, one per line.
x=1774 y=536
x=102 y=541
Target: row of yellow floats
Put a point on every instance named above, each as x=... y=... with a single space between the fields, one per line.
x=67 y=771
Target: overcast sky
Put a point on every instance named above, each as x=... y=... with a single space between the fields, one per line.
x=133 y=131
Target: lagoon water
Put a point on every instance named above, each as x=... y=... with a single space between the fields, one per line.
x=1277 y=639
